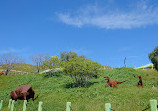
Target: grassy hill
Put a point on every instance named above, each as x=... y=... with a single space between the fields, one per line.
x=23 y=67
x=56 y=91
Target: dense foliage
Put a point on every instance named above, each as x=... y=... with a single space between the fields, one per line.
x=81 y=70
x=50 y=63
x=154 y=57
x=65 y=56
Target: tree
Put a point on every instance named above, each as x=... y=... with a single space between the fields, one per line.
x=50 y=63
x=80 y=70
x=37 y=60
x=64 y=56
x=8 y=62
x=153 y=56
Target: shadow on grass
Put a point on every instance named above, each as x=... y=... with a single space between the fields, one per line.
x=72 y=85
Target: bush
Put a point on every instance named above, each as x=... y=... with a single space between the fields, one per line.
x=81 y=70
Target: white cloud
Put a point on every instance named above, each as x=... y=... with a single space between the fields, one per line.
x=139 y=15
x=71 y=21
x=12 y=50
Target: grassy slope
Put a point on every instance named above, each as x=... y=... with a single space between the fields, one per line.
x=23 y=67
x=55 y=91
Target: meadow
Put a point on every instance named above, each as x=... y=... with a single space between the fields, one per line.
x=55 y=91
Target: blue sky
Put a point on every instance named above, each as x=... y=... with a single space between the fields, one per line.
x=105 y=31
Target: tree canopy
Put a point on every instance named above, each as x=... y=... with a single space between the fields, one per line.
x=65 y=56
x=51 y=62
x=154 y=57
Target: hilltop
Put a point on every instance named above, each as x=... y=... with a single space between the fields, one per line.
x=22 y=67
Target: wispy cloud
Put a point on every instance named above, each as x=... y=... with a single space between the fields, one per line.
x=124 y=49
x=139 y=15
x=12 y=50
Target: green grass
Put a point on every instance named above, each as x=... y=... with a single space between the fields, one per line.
x=55 y=91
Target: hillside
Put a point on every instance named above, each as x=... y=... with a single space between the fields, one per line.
x=56 y=91
x=23 y=67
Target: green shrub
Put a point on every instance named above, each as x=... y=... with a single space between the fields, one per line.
x=81 y=70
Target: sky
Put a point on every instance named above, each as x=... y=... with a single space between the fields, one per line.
x=105 y=31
